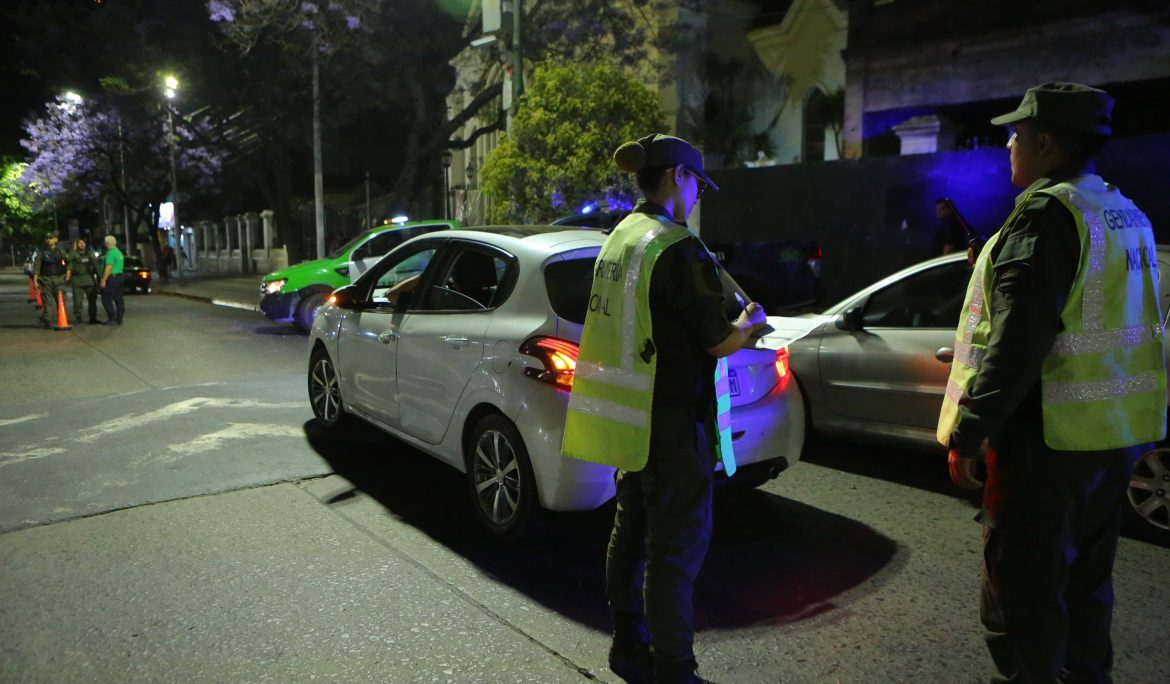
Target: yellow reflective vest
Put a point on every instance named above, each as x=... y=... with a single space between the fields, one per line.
x=608 y=420
x=1103 y=384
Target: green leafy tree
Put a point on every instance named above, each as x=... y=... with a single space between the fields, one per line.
x=24 y=215
x=558 y=154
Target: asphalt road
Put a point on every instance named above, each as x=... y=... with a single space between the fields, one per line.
x=169 y=512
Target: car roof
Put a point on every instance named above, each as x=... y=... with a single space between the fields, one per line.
x=532 y=240
x=410 y=224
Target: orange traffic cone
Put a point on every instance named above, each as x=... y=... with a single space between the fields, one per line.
x=62 y=321
x=40 y=300
x=32 y=290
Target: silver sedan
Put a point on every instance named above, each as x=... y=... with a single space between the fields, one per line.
x=874 y=367
x=464 y=344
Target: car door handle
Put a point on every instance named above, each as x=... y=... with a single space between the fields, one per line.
x=456 y=341
x=945 y=354
x=388 y=337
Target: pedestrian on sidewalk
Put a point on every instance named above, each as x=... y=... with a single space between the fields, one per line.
x=111 y=282
x=82 y=273
x=646 y=398
x=1059 y=379
x=49 y=275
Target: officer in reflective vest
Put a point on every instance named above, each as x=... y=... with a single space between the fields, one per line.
x=646 y=400
x=49 y=276
x=1059 y=380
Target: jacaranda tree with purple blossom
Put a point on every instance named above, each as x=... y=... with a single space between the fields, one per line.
x=84 y=149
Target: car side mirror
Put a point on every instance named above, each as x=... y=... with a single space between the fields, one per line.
x=851 y=319
x=345 y=298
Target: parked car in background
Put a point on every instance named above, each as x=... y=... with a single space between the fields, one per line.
x=136 y=277
x=293 y=295
x=783 y=276
x=874 y=366
x=464 y=344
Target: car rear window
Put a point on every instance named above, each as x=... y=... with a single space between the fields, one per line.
x=568 y=283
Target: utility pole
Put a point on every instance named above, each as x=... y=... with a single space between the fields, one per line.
x=318 y=171
x=172 y=89
x=517 y=56
x=125 y=188
x=367 y=226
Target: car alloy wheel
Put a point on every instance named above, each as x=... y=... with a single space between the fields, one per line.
x=324 y=389
x=499 y=477
x=1149 y=489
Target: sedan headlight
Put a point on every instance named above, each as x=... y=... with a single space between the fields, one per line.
x=274 y=286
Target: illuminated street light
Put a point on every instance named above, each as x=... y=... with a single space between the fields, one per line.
x=72 y=97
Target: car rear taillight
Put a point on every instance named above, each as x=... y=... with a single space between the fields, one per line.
x=558 y=356
x=783 y=375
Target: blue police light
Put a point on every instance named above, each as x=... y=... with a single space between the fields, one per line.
x=399 y=220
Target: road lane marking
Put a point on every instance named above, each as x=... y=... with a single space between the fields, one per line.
x=23 y=419
x=10 y=457
x=234 y=431
x=181 y=408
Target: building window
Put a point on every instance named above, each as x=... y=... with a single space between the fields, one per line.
x=816 y=120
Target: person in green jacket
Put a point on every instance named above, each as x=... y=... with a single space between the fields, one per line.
x=111 y=282
x=82 y=273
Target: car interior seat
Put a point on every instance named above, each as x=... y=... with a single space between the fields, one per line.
x=474 y=275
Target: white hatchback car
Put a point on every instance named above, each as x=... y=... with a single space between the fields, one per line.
x=463 y=344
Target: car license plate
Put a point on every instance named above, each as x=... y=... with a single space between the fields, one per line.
x=733 y=382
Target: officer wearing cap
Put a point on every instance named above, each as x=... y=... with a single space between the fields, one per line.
x=1058 y=381
x=648 y=399
x=82 y=272
x=49 y=276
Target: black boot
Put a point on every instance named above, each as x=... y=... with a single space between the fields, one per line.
x=629 y=654
x=671 y=671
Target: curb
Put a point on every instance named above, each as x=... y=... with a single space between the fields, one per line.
x=208 y=300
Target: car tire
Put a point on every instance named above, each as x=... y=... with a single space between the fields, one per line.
x=1147 y=501
x=306 y=311
x=500 y=482
x=325 y=390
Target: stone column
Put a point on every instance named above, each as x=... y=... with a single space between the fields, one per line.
x=251 y=219
x=240 y=243
x=269 y=230
x=229 y=227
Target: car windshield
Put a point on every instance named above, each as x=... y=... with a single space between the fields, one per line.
x=568 y=283
x=346 y=247
x=131 y=262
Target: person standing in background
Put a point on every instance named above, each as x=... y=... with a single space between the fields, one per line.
x=111 y=282
x=82 y=273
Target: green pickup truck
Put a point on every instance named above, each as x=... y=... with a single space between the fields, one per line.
x=294 y=294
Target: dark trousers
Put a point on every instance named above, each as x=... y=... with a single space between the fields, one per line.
x=1053 y=519
x=112 y=300
x=660 y=536
x=51 y=288
x=86 y=293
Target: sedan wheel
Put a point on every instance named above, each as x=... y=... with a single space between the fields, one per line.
x=1149 y=492
x=499 y=477
x=324 y=389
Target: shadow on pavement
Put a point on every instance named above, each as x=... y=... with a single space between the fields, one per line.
x=277 y=330
x=772 y=560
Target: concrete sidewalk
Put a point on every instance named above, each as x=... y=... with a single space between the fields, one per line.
x=234 y=290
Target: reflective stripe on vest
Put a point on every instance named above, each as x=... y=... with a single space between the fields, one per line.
x=609 y=409
x=970 y=342
x=723 y=413
x=608 y=420
x=1104 y=381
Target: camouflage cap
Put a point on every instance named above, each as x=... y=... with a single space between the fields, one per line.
x=1071 y=105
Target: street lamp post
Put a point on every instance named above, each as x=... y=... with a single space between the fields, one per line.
x=446 y=184
x=172 y=88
